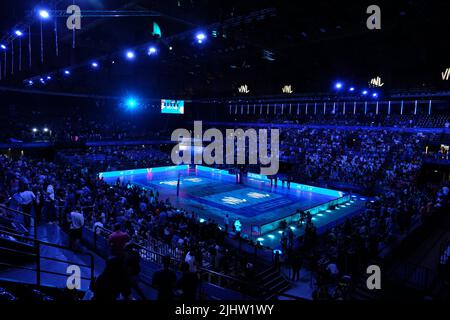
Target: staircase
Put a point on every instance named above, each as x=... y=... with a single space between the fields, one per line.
x=272 y=283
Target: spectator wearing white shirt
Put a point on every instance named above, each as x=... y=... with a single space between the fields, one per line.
x=49 y=210
x=76 y=220
x=26 y=200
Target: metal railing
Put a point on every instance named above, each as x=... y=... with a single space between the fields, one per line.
x=29 y=249
x=246 y=289
x=415 y=276
x=18 y=217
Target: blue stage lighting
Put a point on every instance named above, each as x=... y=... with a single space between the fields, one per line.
x=130 y=55
x=351 y=89
x=44 y=14
x=94 y=64
x=3 y=46
x=66 y=72
x=18 y=33
x=131 y=103
x=364 y=92
x=30 y=82
x=375 y=95
x=151 y=51
x=200 y=37
x=49 y=78
x=338 y=85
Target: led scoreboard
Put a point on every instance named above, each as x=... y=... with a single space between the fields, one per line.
x=172 y=106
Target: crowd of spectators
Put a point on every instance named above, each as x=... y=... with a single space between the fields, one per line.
x=371 y=119
x=72 y=195
x=344 y=251
x=382 y=162
x=110 y=158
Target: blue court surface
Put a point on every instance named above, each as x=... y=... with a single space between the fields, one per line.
x=213 y=193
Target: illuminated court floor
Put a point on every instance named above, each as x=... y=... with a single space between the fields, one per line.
x=214 y=193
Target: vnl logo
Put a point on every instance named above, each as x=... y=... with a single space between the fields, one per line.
x=243 y=89
x=445 y=74
x=287 y=89
x=235 y=147
x=376 y=82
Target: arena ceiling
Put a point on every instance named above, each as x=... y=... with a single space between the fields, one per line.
x=262 y=44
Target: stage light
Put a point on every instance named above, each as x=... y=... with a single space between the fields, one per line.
x=271 y=236
x=202 y=220
x=292 y=228
x=45 y=129
x=42 y=80
x=3 y=46
x=131 y=103
x=375 y=95
x=351 y=89
x=66 y=72
x=44 y=14
x=151 y=51
x=200 y=37
x=94 y=64
x=338 y=85
x=364 y=92
x=130 y=55
x=30 y=82
x=260 y=239
x=34 y=129
x=49 y=78
x=170 y=48
x=18 y=33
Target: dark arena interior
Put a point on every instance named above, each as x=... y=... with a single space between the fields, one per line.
x=194 y=151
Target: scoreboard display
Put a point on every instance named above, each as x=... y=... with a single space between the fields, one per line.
x=172 y=106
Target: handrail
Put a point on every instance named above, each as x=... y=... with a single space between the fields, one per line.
x=37 y=244
x=46 y=243
x=2 y=206
x=174 y=259
x=177 y=261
